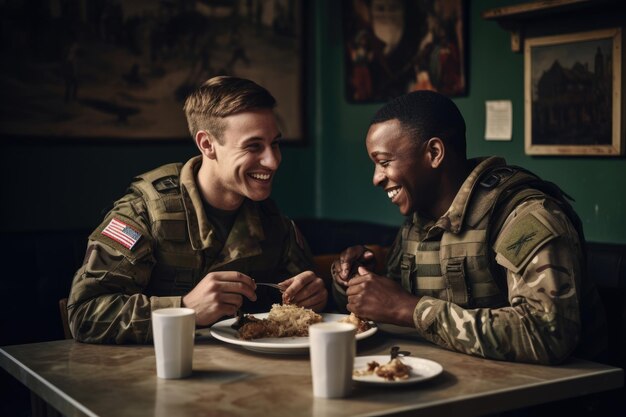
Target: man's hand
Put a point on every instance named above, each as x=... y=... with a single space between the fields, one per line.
x=345 y=267
x=378 y=298
x=219 y=294
x=305 y=290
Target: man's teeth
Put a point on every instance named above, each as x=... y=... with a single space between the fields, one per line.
x=393 y=193
x=261 y=176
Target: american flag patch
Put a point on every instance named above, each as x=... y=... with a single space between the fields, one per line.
x=121 y=233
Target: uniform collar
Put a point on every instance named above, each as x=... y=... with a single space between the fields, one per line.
x=247 y=231
x=452 y=220
x=244 y=238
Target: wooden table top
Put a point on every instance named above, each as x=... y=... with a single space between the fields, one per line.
x=103 y=380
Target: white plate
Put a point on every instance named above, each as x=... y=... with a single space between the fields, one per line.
x=421 y=370
x=280 y=345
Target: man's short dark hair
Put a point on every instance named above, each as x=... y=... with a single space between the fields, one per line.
x=426 y=114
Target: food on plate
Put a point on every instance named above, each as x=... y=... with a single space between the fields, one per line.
x=253 y=328
x=394 y=370
x=287 y=320
x=361 y=325
x=282 y=321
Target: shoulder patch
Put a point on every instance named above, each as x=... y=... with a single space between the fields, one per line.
x=516 y=246
x=123 y=235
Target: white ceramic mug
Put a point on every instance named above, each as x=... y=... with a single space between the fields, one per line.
x=173 y=330
x=332 y=347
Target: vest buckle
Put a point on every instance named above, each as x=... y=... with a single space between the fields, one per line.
x=166 y=184
x=490 y=182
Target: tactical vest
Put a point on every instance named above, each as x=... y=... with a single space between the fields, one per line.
x=460 y=267
x=179 y=267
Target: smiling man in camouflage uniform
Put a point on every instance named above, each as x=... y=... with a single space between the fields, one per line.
x=490 y=260
x=198 y=235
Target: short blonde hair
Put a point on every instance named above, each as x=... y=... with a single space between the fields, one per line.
x=220 y=97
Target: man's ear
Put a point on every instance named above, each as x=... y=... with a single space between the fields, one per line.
x=206 y=144
x=436 y=151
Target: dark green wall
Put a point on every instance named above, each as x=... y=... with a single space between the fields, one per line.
x=65 y=185
x=495 y=73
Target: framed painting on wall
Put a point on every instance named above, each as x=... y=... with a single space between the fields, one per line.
x=393 y=47
x=573 y=98
x=122 y=69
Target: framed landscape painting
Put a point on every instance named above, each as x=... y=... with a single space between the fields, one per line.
x=122 y=69
x=573 y=94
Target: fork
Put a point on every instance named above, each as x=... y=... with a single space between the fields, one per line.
x=239 y=317
x=268 y=284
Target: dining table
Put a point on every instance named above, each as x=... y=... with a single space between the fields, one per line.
x=229 y=379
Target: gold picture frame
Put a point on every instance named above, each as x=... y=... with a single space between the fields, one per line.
x=572 y=94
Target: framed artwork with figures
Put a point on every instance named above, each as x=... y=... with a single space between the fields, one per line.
x=396 y=46
x=121 y=69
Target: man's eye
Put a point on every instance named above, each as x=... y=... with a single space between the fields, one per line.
x=384 y=162
x=276 y=144
x=253 y=147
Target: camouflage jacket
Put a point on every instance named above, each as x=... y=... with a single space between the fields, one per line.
x=163 y=245
x=538 y=297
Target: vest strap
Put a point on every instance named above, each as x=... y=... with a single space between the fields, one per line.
x=455 y=281
x=479 y=289
x=406 y=266
x=430 y=283
x=486 y=197
x=160 y=189
x=156 y=183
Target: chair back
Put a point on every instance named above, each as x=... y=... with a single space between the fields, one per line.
x=64 y=321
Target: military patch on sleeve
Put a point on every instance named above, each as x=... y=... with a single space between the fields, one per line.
x=519 y=242
x=122 y=233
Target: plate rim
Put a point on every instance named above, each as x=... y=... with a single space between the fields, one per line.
x=379 y=358
x=278 y=346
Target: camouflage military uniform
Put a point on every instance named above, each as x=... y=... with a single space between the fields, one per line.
x=166 y=245
x=511 y=289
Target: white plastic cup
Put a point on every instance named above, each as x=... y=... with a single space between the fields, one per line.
x=173 y=330
x=332 y=347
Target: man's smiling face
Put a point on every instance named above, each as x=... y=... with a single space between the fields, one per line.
x=248 y=155
x=401 y=166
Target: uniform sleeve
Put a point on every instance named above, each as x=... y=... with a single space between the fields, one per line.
x=106 y=304
x=540 y=251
